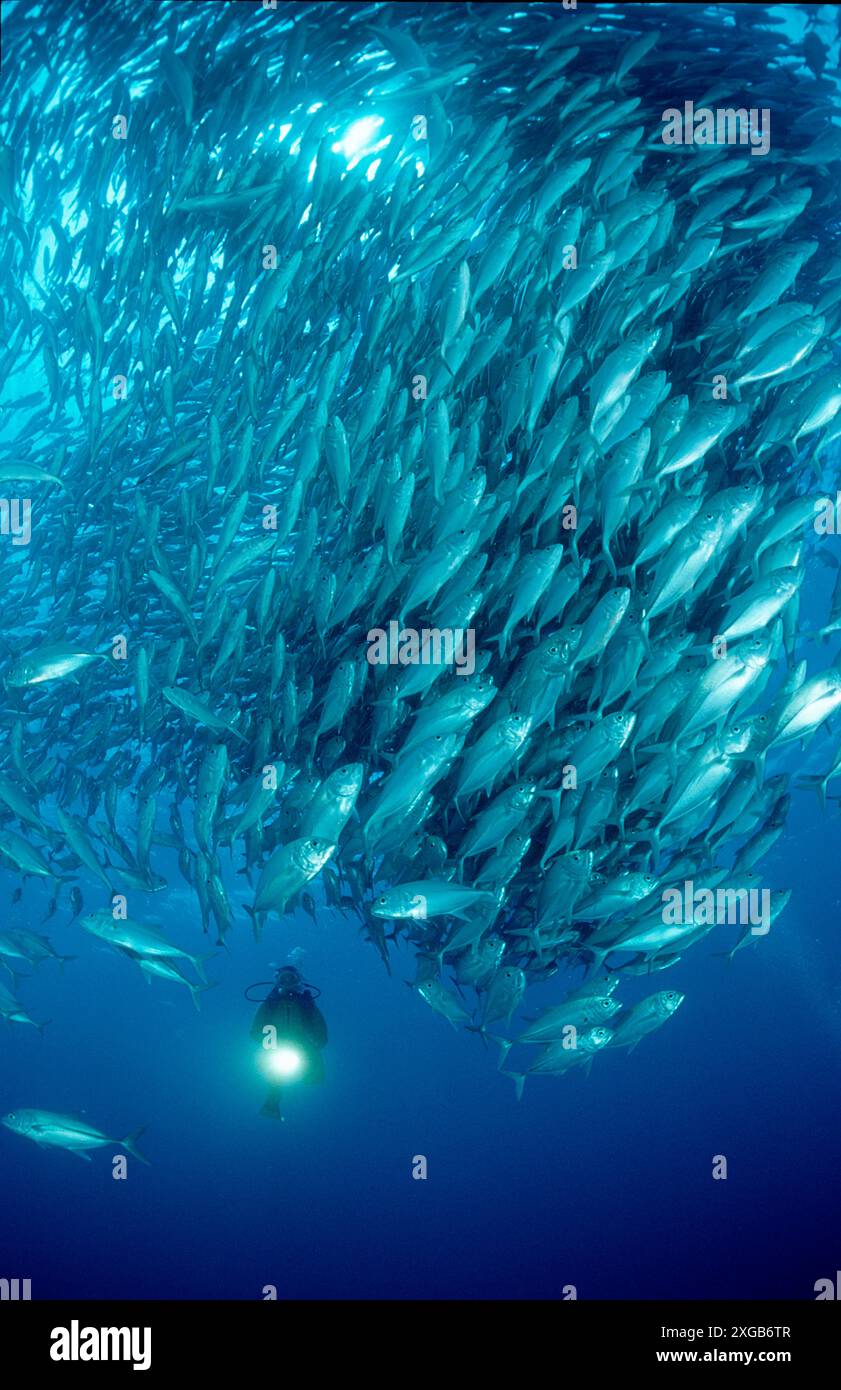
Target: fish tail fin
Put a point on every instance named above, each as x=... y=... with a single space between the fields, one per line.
x=650 y=836
x=653 y=748
x=62 y=961
x=553 y=795
x=130 y=1144
x=596 y=443
x=815 y=783
x=599 y=958
x=270 y=1108
x=255 y=921
x=519 y=1080
x=505 y=1047
x=439 y=956
x=42 y=1026
x=693 y=342
x=196 y=990
x=480 y=1029
x=758 y=762
x=643 y=485
x=198 y=965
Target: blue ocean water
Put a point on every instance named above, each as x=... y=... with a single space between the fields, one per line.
x=601 y=1181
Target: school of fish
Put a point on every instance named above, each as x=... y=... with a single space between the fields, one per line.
x=322 y=317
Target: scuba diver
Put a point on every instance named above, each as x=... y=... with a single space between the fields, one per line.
x=291 y=1029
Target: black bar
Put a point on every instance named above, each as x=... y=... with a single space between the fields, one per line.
x=251 y=1339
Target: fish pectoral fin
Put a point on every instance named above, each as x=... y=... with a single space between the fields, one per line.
x=79 y=1153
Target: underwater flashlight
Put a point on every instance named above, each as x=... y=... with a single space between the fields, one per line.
x=284 y=1061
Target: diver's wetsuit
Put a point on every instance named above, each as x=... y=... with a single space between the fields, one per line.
x=296 y=1018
